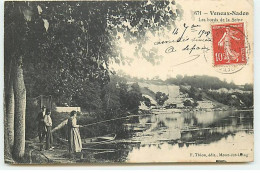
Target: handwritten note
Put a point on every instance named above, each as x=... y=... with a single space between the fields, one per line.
x=190 y=39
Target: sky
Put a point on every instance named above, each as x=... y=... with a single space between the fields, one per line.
x=171 y=63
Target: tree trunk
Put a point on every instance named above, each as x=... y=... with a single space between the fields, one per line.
x=19 y=110
x=7 y=152
x=10 y=113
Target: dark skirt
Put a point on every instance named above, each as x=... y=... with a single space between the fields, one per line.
x=49 y=138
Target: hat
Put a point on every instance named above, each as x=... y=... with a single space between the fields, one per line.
x=73 y=113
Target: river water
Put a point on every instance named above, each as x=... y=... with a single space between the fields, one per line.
x=184 y=137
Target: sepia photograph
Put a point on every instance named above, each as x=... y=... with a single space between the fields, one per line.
x=128 y=82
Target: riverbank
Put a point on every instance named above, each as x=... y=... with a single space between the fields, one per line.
x=59 y=155
x=180 y=110
x=172 y=133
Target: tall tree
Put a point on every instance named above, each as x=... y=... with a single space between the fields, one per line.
x=7 y=150
x=20 y=106
x=58 y=46
x=10 y=113
x=14 y=88
x=134 y=97
x=161 y=98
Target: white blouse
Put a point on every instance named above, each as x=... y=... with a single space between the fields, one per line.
x=47 y=120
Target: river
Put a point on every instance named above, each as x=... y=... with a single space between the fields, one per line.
x=184 y=137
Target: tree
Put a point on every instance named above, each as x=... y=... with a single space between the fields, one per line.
x=248 y=87
x=203 y=82
x=15 y=88
x=19 y=110
x=147 y=101
x=195 y=104
x=7 y=149
x=161 y=98
x=199 y=97
x=94 y=30
x=56 y=47
x=179 y=79
x=88 y=97
x=187 y=103
x=134 y=98
x=117 y=94
x=9 y=123
x=111 y=99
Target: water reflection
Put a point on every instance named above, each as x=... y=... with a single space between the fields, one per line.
x=165 y=132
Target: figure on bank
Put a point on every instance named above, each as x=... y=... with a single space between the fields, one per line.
x=48 y=124
x=74 y=139
x=41 y=126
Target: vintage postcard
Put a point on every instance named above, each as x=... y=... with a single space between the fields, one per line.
x=157 y=81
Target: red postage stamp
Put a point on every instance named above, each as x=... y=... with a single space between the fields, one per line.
x=228 y=44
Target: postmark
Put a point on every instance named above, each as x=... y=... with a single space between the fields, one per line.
x=229 y=50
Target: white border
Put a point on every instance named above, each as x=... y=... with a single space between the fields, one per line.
x=248 y=166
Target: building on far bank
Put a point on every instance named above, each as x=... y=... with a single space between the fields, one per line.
x=225 y=90
x=205 y=104
x=67 y=109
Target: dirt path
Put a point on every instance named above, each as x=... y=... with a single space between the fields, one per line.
x=58 y=155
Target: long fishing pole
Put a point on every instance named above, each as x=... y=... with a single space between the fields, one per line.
x=108 y=120
x=63 y=123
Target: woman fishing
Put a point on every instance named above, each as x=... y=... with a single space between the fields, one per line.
x=74 y=139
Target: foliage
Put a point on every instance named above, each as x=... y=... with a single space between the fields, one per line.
x=238 y=100
x=88 y=97
x=111 y=94
x=147 y=101
x=246 y=98
x=192 y=92
x=187 y=103
x=161 y=98
x=32 y=111
x=64 y=48
x=134 y=97
x=118 y=95
x=66 y=44
x=203 y=82
x=195 y=104
x=248 y=87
